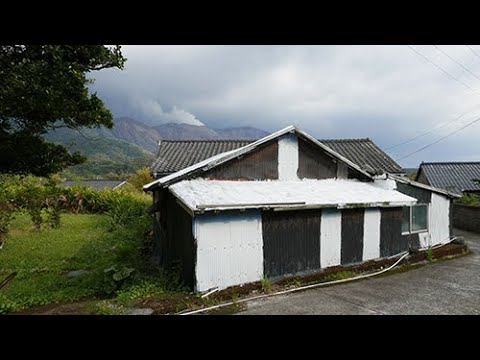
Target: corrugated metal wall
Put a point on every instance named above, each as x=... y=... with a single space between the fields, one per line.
x=439 y=216
x=371 y=234
x=330 y=238
x=352 y=235
x=258 y=165
x=288 y=157
x=174 y=246
x=439 y=219
x=291 y=241
x=229 y=249
x=391 y=240
x=314 y=163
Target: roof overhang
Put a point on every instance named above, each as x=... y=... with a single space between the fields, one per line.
x=199 y=196
x=406 y=180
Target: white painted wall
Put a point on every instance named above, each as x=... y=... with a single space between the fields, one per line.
x=330 y=238
x=288 y=157
x=371 y=234
x=439 y=219
x=229 y=250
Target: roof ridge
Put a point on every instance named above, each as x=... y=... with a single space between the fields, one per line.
x=346 y=140
x=206 y=140
x=449 y=162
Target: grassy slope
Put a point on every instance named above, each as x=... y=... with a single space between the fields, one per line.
x=106 y=155
x=42 y=259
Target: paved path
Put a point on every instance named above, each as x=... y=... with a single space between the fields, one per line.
x=447 y=287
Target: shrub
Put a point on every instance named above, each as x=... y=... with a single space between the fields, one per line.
x=140 y=178
x=6 y=217
x=469 y=199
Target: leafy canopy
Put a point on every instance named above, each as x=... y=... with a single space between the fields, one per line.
x=44 y=87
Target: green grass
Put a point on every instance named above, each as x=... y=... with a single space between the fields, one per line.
x=83 y=242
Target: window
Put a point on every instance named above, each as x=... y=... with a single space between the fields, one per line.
x=415 y=219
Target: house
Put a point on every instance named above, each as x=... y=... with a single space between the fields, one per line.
x=457 y=177
x=175 y=155
x=287 y=204
x=95 y=184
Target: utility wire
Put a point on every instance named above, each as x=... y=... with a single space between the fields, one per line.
x=441 y=69
x=442 y=138
x=439 y=126
x=456 y=62
x=471 y=49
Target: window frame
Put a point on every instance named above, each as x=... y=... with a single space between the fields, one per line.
x=410 y=220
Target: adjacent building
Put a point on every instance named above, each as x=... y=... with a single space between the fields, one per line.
x=457 y=177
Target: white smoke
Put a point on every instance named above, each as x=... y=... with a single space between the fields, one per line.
x=152 y=111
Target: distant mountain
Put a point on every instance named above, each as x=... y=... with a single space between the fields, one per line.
x=130 y=144
x=245 y=132
x=136 y=133
x=108 y=157
x=173 y=131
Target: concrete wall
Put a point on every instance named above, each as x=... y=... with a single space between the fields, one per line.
x=466 y=217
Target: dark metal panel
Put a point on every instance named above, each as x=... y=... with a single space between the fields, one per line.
x=421 y=178
x=291 y=241
x=413 y=241
x=391 y=240
x=174 y=247
x=352 y=235
x=422 y=195
x=314 y=163
x=260 y=164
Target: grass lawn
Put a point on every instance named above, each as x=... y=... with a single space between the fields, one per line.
x=83 y=242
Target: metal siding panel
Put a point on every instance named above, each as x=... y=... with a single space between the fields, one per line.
x=330 y=238
x=288 y=157
x=291 y=241
x=371 y=234
x=391 y=240
x=229 y=249
x=260 y=164
x=422 y=195
x=314 y=163
x=352 y=235
x=439 y=219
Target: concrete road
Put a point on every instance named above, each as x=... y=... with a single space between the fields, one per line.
x=448 y=287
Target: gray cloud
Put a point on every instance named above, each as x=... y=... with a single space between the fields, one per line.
x=387 y=93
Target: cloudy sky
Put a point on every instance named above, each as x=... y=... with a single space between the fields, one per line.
x=390 y=94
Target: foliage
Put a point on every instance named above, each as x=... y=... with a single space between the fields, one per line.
x=44 y=87
x=116 y=276
x=6 y=213
x=145 y=289
x=34 y=195
x=429 y=254
x=140 y=178
x=469 y=200
x=106 y=307
x=83 y=242
x=126 y=209
x=266 y=284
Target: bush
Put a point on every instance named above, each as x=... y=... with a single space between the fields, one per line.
x=469 y=200
x=126 y=209
x=140 y=178
x=6 y=217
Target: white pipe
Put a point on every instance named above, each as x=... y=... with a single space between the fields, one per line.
x=405 y=254
x=209 y=293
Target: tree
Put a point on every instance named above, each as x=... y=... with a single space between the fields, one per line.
x=140 y=178
x=43 y=87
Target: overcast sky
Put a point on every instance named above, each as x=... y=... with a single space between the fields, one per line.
x=387 y=93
